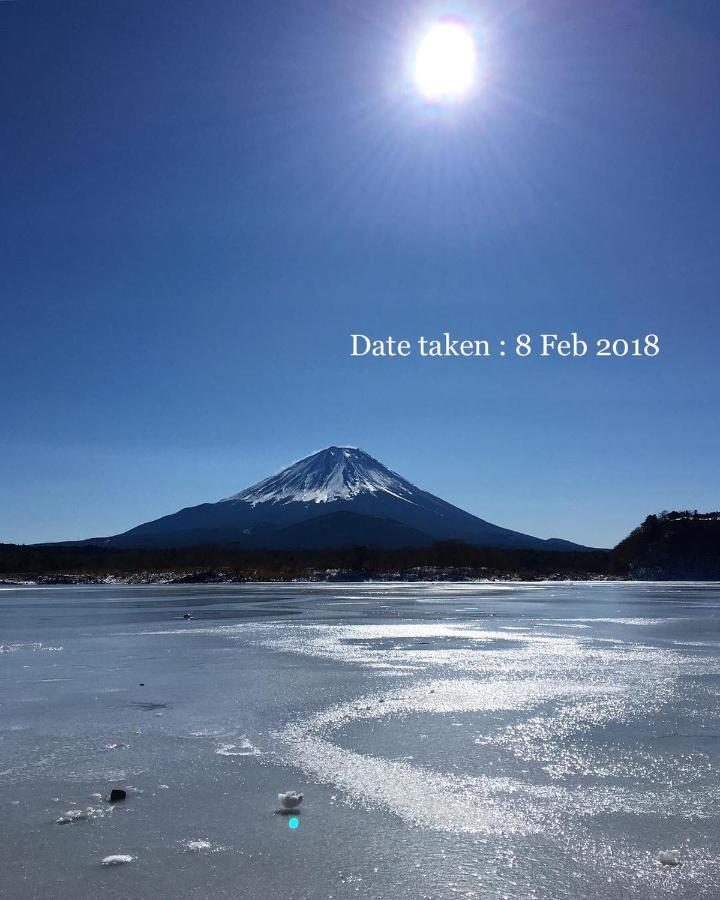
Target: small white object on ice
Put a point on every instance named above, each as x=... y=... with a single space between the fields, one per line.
x=72 y=815
x=669 y=857
x=118 y=859
x=290 y=800
x=198 y=846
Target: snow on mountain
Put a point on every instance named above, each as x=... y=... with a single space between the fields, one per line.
x=340 y=496
x=336 y=473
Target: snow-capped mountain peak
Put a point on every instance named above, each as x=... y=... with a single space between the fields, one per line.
x=339 y=497
x=335 y=473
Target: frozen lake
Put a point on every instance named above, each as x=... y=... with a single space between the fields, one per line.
x=486 y=740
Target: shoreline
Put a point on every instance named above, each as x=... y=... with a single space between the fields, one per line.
x=160 y=579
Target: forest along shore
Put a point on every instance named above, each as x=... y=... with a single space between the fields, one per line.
x=669 y=546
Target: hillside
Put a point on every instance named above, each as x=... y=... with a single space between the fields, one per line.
x=672 y=545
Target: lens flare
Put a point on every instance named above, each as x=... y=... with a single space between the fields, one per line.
x=445 y=61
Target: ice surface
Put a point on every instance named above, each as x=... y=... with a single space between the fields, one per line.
x=450 y=740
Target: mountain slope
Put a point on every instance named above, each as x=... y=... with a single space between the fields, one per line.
x=343 y=529
x=335 y=480
x=681 y=545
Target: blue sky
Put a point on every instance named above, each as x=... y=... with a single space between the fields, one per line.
x=201 y=201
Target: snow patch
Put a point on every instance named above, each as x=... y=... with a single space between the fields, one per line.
x=337 y=473
x=117 y=859
x=244 y=748
x=201 y=846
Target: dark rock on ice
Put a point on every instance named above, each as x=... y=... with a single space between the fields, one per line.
x=290 y=799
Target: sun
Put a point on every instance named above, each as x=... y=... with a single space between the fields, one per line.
x=445 y=61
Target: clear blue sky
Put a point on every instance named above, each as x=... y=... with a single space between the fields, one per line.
x=202 y=200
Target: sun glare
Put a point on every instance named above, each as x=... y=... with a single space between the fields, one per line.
x=445 y=61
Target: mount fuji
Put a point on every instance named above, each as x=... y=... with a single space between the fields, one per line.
x=337 y=497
